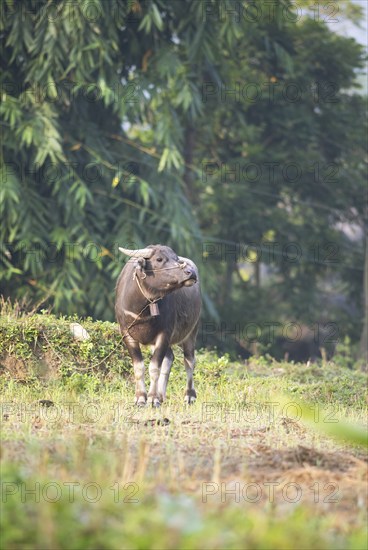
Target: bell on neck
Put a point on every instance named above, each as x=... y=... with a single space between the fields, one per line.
x=154 y=310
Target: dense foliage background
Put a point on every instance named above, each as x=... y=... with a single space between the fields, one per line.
x=233 y=133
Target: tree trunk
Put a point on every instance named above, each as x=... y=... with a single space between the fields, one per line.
x=364 y=336
x=257 y=273
x=188 y=159
x=228 y=283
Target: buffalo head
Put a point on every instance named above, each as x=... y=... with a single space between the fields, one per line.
x=161 y=268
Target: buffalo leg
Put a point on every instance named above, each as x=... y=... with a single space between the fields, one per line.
x=157 y=358
x=164 y=374
x=189 y=363
x=138 y=366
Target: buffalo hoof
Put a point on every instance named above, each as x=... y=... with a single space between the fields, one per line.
x=190 y=397
x=154 y=401
x=189 y=400
x=140 y=401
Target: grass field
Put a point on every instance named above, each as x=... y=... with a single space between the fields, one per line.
x=81 y=467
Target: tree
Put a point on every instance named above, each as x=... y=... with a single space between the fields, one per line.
x=288 y=149
x=90 y=149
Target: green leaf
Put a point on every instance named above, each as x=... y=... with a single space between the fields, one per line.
x=163 y=159
x=156 y=16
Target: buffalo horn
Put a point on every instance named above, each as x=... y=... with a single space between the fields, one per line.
x=140 y=253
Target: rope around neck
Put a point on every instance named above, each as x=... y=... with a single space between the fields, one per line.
x=141 y=289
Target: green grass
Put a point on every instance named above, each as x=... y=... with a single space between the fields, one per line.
x=241 y=468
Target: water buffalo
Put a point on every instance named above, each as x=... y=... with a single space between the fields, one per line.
x=158 y=302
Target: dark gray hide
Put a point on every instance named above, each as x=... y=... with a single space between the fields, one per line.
x=156 y=274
